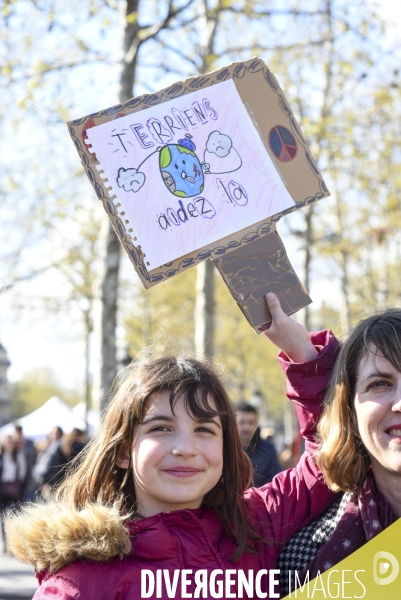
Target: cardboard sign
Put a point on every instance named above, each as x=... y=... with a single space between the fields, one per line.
x=204 y=169
x=251 y=271
x=279 y=132
x=189 y=172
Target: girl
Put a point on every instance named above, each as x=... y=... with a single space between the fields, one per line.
x=163 y=488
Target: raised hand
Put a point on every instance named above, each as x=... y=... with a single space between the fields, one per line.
x=288 y=335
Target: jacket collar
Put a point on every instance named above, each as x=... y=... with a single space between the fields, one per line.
x=169 y=527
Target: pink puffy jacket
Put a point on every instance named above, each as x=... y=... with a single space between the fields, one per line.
x=192 y=540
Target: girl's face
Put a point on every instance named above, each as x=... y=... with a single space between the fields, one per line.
x=378 y=410
x=176 y=460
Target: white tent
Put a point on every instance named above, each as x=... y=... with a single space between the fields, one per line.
x=38 y=423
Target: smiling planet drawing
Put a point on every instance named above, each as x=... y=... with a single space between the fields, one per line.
x=181 y=169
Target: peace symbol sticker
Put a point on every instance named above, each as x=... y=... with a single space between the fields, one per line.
x=283 y=143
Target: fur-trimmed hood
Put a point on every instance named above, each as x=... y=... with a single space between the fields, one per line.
x=50 y=536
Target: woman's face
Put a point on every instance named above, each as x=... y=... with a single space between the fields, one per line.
x=176 y=460
x=378 y=410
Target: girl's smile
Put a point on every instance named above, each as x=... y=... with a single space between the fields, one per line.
x=182 y=471
x=175 y=459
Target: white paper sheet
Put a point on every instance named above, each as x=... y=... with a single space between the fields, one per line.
x=188 y=172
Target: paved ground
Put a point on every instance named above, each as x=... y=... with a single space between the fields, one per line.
x=17 y=581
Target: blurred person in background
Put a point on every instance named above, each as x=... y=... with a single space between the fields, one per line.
x=286 y=457
x=27 y=455
x=71 y=445
x=54 y=440
x=261 y=452
x=12 y=474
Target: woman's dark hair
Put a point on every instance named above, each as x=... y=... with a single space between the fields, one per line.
x=96 y=478
x=342 y=455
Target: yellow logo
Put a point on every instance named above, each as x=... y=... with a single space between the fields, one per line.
x=354 y=576
x=381 y=566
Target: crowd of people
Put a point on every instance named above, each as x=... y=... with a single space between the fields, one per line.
x=29 y=472
x=166 y=482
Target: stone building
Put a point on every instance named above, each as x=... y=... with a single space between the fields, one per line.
x=5 y=412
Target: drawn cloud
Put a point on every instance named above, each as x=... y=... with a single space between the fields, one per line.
x=130 y=179
x=219 y=143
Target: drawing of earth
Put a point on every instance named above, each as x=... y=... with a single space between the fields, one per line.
x=181 y=169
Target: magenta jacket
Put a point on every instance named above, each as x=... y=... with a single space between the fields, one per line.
x=193 y=539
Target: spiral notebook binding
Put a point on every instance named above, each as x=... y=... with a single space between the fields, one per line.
x=109 y=187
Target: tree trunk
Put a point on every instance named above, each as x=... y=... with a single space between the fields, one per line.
x=382 y=284
x=308 y=238
x=204 y=310
x=205 y=302
x=308 y=234
x=105 y=317
x=88 y=331
x=345 y=321
x=345 y=304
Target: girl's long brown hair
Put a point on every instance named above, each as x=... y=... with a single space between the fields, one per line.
x=342 y=456
x=95 y=478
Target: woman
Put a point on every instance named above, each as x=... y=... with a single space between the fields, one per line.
x=47 y=449
x=360 y=451
x=70 y=446
x=164 y=487
x=11 y=478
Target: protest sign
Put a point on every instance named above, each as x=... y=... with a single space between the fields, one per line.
x=200 y=169
x=179 y=195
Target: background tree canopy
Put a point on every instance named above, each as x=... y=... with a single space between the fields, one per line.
x=338 y=65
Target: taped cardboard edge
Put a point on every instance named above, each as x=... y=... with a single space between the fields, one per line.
x=252 y=272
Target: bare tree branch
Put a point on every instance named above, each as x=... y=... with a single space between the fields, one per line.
x=254 y=47
x=26 y=277
x=271 y=13
x=147 y=32
x=178 y=53
x=61 y=67
x=113 y=4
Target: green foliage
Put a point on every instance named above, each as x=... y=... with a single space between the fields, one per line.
x=35 y=388
x=250 y=359
x=162 y=323
x=163 y=317
x=59 y=62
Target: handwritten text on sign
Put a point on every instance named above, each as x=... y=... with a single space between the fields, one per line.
x=188 y=172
